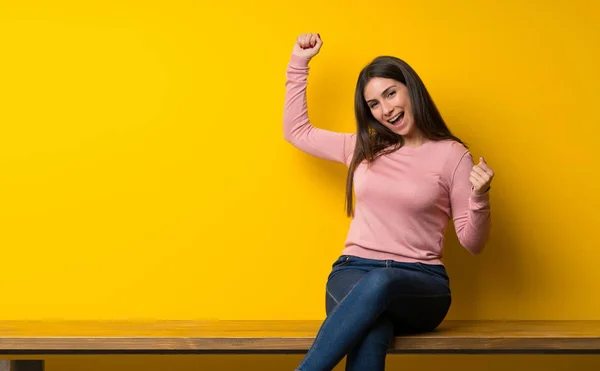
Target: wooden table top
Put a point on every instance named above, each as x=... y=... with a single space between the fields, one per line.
x=114 y=337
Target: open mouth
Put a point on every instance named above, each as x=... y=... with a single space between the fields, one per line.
x=397 y=119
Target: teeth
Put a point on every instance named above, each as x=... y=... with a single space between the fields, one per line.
x=395 y=118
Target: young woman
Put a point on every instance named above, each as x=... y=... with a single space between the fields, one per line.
x=409 y=175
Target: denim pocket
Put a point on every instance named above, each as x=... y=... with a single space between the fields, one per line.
x=436 y=270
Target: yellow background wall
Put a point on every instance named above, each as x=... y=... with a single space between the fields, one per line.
x=143 y=173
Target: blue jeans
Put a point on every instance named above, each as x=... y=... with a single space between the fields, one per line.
x=368 y=302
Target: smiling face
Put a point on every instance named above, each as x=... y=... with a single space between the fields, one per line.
x=390 y=104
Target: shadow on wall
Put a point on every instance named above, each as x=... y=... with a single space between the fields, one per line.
x=289 y=362
x=497 y=268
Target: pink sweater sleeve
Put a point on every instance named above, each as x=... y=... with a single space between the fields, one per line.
x=297 y=128
x=470 y=212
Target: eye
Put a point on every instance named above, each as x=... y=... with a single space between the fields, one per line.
x=391 y=94
x=373 y=105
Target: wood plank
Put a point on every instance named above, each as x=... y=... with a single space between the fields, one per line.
x=111 y=337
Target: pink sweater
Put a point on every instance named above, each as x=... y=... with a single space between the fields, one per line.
x=404 y=199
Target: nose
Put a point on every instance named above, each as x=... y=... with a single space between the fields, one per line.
x=387 y=108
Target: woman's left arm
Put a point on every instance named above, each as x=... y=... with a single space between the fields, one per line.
x=470 y=202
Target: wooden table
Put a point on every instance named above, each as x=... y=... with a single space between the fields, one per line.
x=249 y=337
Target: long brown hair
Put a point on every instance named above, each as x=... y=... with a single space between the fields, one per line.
x=374 y=139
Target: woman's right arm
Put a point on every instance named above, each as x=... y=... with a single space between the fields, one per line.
x=297 y=128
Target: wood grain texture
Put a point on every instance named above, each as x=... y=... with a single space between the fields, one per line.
x=112 y=337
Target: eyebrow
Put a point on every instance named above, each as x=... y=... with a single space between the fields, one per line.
x=383 y=92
